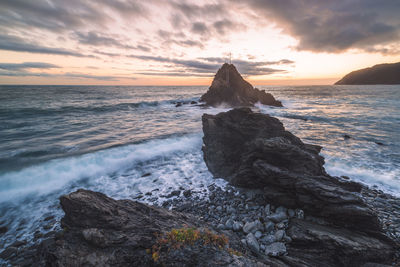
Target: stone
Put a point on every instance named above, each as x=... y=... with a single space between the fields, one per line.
x=267 y=209
x=229 y=224
x=257 y=234
x=252 y=243
x=275 y=249
x=237 y=226
x=268 y=239
x=229 y=88
x=102 y=231
x=187 y=193
x=279 y=235
x=252 y=227
x=174 y=193
x=253 y=150
x=8 y=253
x=269 y=226
x=277 y=217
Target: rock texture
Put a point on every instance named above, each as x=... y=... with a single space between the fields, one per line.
x=228 y=87
x=100 y=231
x=254 y=150
x=378 y=74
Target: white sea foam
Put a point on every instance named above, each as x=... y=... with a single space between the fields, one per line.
x=55 y=174
x=386 y=180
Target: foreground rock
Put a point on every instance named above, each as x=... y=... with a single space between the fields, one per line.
x=100 y=231
x=255 y=151
x=228 y=87
x=378 y=74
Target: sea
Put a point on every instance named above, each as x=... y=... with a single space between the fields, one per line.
x=128 y=141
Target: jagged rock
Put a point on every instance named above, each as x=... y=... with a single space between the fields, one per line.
x=228 y=87
x=100 y=231
x=332 y=246
x=254 y=150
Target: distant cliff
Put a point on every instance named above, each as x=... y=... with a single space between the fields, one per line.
x=378 y=74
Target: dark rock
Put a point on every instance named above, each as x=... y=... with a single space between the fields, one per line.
x=8 y=253
x=174 y=193
x=178 y=104
x=254 y=150
x=187 y=193
x=346 y=136
x=3 y=229
x=101 y=231
x=379 y=143
x=146 y=174
x=228 y=87
x=378 y=74
x=332 y=246
x=193 y=102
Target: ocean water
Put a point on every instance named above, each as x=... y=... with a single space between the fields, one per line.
x=128 y=141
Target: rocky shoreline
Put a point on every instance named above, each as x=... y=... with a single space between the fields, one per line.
x=263 y=218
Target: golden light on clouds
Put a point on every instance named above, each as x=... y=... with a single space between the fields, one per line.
x=184 y=42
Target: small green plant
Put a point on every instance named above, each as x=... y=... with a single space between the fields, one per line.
x=177 y=238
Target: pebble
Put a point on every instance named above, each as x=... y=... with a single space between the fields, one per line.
x=257 y=234
x=299 y=214
x=279 y=235
x=268 y=239
x=275 y=249
x=269 y=227
x=252 y=243
x=237 y=226
x=277 y=217
x=251 y=227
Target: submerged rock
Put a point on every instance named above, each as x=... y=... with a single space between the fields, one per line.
x=228 y=87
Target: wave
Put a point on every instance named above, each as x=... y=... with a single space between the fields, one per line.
x=56 y=174
x=386 y=180
x=85 y=109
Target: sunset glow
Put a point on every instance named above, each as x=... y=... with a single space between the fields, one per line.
x=184 y=42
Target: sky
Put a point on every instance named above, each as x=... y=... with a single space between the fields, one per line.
x=161 y=42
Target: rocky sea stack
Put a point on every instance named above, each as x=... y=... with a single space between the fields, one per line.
x=229 y=88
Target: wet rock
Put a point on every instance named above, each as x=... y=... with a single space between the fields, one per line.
x=275 y=249
x=228 y=87
x=8 y=253
x=146 y=174
x=174 y=193
x=193 y=102
x=346 y=136
x=277 y=217
x=279 y=235
x=187 y=193
x=251 y=227
x=254 y=150
x=178 y=104
x=107 y=232
x=269 y=227
x=252 y=243
x=3 y=229
x=237 y=226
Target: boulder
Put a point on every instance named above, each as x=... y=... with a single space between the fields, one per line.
x=229 y=88
x=254 y=150
x=101 y=231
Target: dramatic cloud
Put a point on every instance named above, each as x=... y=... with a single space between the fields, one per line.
x=13 y=43
x=333 y=26
x=208 y=66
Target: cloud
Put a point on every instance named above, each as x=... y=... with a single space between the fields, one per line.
x=332 y=26
x=14 y=43
x=26 y=65
x=208 y=66
x=199 y=28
